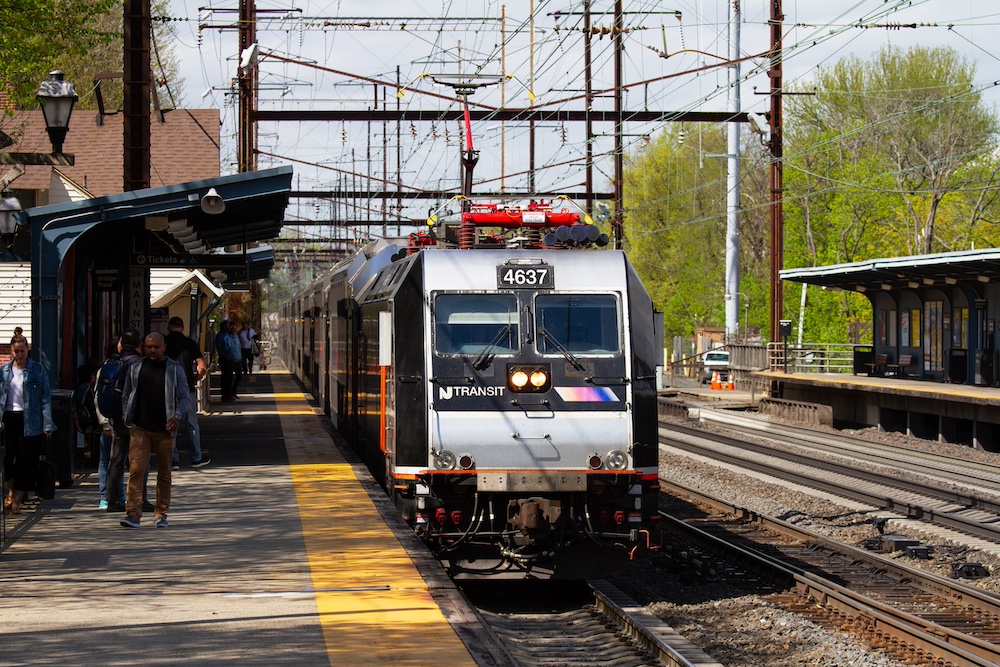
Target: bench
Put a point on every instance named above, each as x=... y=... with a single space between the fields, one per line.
x=898 y=369
x=878 y=366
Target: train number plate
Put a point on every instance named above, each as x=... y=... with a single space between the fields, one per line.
x=534 y=276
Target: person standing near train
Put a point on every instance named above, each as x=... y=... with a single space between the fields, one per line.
x=26 y=406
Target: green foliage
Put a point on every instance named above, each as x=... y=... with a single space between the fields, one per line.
x=42 y=35
x=87 y=42
x=675 y=225
x=892 y=156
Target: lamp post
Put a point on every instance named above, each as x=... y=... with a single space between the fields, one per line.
x=57 y=97
x=9 y=205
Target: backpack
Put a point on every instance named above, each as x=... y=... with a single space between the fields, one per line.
x=110 y=386
x=83 y=400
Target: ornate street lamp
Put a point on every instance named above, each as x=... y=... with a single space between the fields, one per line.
x=57 y=97
x=9 y=205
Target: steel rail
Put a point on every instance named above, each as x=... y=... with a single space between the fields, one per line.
x=940 y=465
x=880 y=500
x=947 y=644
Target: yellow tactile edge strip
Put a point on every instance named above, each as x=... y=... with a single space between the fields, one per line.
x=373 y=605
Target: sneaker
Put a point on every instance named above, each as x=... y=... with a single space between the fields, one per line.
x=176 y=466
x=147 y=506
x=116 y=507
x=130 y=522
x=201 y=463
x=103 y=505
x=162 y=522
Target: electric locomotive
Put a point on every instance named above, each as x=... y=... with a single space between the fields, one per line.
x=505 y=397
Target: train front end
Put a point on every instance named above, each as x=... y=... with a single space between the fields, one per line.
x=540 y=413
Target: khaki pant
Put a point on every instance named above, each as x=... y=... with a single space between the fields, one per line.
x=142 y=444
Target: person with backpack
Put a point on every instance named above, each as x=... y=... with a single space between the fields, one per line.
x=85 y=420
x=110 y=385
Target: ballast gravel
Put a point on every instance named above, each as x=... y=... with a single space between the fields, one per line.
x=739 y=627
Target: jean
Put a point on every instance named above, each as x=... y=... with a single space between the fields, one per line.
x=189 y=425
x=102 y=464
x=227 y=367
x=142 y=444
x=20 y=462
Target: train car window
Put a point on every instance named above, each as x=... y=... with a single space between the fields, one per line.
x=471 y=323
x=585 y=324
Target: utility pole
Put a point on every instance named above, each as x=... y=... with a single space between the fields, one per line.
x=137 y=94
x=617 y=228
x=733 y=180
x=776 y=175
x=247 y=147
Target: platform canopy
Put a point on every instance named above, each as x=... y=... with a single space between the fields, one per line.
x=947 y=268
x=178 y=226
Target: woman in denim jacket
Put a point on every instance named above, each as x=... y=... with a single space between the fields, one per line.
x=26 y=409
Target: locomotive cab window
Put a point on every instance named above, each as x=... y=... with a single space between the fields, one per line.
x=584 y=324
x=472 y=323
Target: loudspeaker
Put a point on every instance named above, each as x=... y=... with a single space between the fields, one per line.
x=212 y=203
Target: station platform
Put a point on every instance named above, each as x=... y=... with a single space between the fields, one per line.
x=956 y=413
x=276 y=554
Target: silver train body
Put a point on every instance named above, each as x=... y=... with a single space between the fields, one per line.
x=505 y=399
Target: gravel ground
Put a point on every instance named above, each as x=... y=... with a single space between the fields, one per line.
x=739 y=627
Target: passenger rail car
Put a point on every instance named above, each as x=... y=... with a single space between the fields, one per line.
x=505 y=398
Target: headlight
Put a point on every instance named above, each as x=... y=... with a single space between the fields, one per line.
x=616 y=459
x=534 y=379
x=444 y=460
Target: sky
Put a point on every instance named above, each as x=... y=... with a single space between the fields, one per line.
x=339 y=47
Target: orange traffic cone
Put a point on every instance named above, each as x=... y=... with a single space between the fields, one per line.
x=730 y=384
x=716 y=384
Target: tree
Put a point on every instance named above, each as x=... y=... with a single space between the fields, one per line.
x=886 y=149
x=41 y=35
x=891 y=156
x=108 y=57
x=675 y=225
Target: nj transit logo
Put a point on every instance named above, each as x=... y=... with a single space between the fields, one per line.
x=448 y=393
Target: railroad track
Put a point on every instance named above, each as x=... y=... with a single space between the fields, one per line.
x=610 y=631
x=919 y=617
x=972 y=474
x=946 y=507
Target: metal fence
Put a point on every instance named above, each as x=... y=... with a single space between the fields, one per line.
x=814 y=357
x=745 y=359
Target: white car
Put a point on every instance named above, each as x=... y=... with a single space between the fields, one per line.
x=715 y=360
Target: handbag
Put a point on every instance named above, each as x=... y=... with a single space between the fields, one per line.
x=45 y=481
x=254 y=348
x=45 y=487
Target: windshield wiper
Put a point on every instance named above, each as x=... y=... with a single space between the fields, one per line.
x=567 y=355
x=485 y=358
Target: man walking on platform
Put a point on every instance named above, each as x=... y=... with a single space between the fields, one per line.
x=226 y=365
x=186 y=352
x=247 y=335
x=156 y=399
x=109 y=383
